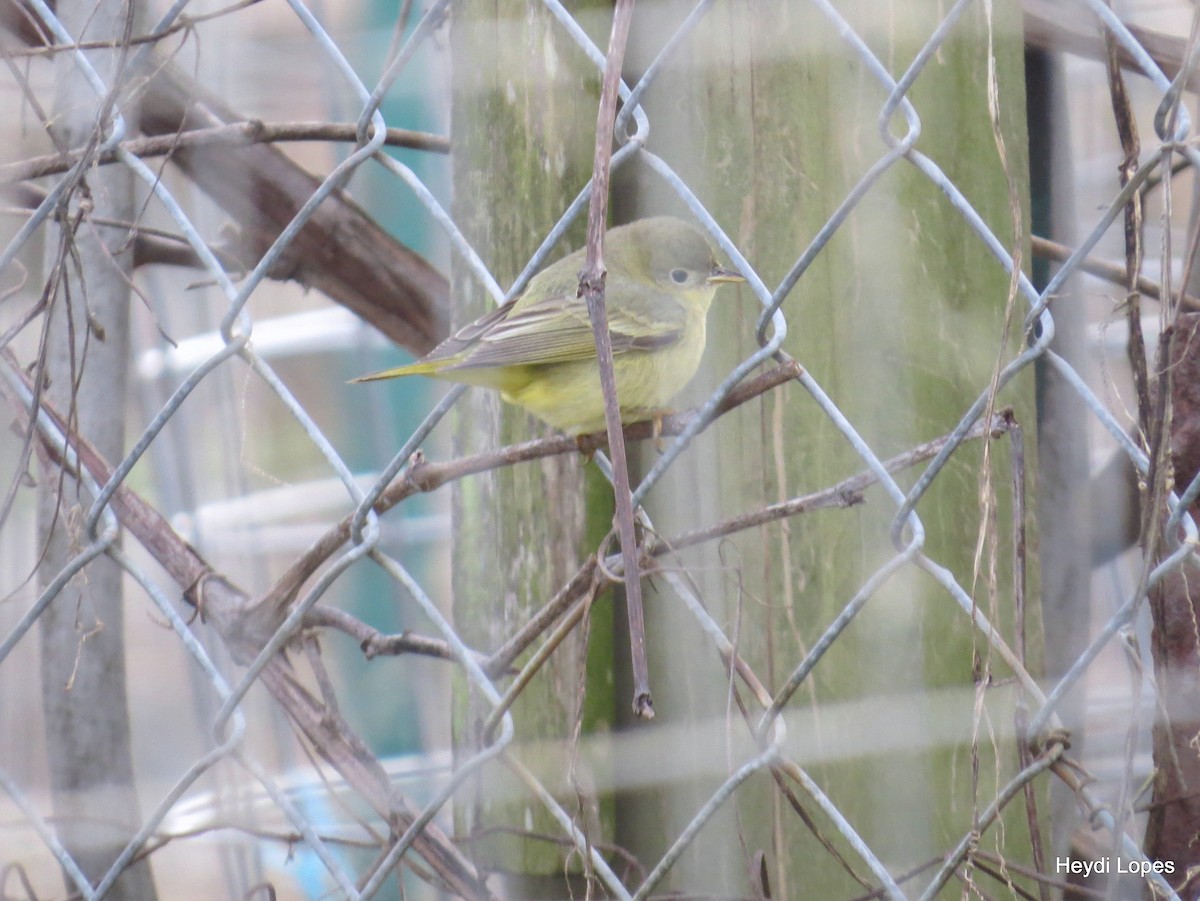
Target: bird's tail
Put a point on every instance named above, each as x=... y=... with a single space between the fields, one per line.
x=428 y=367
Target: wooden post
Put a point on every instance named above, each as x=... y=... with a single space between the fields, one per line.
x=524 y=113
x=771 y=118
x=85 y=371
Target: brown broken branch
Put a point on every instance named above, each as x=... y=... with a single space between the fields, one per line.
x=340 y=251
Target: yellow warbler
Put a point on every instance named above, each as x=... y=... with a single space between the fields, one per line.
x=537 y=350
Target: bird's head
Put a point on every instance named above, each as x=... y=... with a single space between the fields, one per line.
x=668 y=252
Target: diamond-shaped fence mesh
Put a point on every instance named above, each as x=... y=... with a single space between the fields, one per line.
x=892 y=655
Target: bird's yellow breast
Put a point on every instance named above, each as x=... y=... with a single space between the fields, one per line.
x=568 y=395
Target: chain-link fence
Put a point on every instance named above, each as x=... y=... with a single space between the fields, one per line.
x=245 y=520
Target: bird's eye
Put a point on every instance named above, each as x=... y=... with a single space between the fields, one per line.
x=679 y=276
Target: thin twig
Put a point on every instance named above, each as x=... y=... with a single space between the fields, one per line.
x=184 y=23
x=373 y=642
x=236 y=134
x=1016 y=437
x=591 y=288
x=845 y=493
x=422 y=476
x=1131 y=146
x=1110 y=272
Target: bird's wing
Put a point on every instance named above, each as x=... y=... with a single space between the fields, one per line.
x=460 y=343
x=557 y=329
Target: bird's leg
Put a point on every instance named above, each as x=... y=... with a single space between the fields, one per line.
x=586 y=447
x=656 y=427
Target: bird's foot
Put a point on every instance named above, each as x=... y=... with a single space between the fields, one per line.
x=656 y=426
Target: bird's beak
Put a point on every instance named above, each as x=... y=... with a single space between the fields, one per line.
x=722 y=276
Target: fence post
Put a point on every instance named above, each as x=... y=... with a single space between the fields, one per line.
x=524 y=112
x=88 y=266
x=901 y=332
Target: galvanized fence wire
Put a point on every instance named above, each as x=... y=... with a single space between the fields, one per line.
x=237 y=330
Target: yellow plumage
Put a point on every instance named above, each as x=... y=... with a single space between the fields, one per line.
x=538 y=352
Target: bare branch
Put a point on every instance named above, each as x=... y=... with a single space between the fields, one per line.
x=1110 y=272
x=373 y=642
x=245 y=627
x=341 y=251
x=846 y=493
x=235 y=134
x=422 y=476
x=591 y=287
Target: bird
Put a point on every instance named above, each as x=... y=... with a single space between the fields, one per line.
x=538 y=350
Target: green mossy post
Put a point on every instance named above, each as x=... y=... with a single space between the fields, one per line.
x=771 y=118
x=524 y=113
